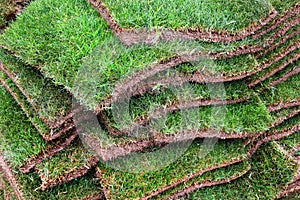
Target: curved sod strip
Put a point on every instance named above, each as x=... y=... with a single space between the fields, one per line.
x=53 y=150
x=210 y=178
x=207 y=182
x=52 y=103
x=129 y=36
x=189 y=165
x=270 y=172
x=31 y=146
x=73 y=162
x=291 y=143
x=47 y=134
x=295 y=58
x=285 y=91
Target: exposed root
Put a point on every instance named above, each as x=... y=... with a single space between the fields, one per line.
x=53 y=150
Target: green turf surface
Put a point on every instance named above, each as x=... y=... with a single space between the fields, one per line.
x=212 y=176
x=135 y=185
x=251 y=116
x=231 y=16
x=283 y=92
x=64 y=163
x=270 y=172
x=291 y=142
x=71 y=33
x=19 y=139
x=6 y=191
x=28 y=109
x=51 y=103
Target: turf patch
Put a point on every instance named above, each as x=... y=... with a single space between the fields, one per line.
x=270 y=172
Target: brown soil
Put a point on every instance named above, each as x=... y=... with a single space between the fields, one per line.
x=129 y=36
x=78 y=172
x=276 y=135
x=277 y=69
x=52 y=125
x=203 y=184
x=283 y=105
x=53 y=150
x=8 y=174
x=187 y=178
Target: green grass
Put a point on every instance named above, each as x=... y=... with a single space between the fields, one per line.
x=251 y=116
x=283 y=92
x=63 y=163
x=69 y=34
x=32 y=115
x=135 y=185
x=290 y=142
x=211 y=176
x=231 y=16
x=19 y=140
x=51 y=102
x=270 y=172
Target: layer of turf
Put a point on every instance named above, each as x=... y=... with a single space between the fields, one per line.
x=65 y=31
x=135 y=185
x=283 y=92
x=64 y=164
x=270 y=172
x=51 y=103
x=251 y=116
x=231 y=16
x=19 y=139
x=291 y=142
x=226 y=173
x=27 y=108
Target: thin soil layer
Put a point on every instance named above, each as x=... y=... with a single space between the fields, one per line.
x=270 y=172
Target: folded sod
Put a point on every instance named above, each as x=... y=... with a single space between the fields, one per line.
x=270 y=172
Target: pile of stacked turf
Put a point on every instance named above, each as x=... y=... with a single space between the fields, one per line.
x=150 y=99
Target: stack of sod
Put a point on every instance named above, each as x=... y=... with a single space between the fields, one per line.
x=189 y=68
